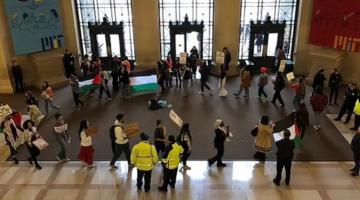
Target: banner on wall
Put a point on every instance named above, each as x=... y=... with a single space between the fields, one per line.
x=35 y=25
x=336 y=24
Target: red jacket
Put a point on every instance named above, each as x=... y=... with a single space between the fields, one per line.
x=318 y=102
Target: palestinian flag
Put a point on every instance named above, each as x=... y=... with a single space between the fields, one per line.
x=87 y=85
x=290 y=124
x=143 y=84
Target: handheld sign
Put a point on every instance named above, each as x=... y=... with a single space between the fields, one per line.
x=220 y=57
x=175 y=118
x=290 y=76
x=183 y=57
x=4 y=112
x=61 y=129
x=282 y=66
x=132 y=130
x=91 y=131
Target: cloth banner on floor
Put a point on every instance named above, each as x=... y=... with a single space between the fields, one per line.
x=144 y=84
x=287 y=123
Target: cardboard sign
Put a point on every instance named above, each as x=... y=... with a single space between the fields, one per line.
x=61 y=129
x=290 y=76
x=175 y=118
x=132 y=130
x=4 y=112
x=183 y=58
x=282 y=66
x=91 y=131
x=220 y=57
x=40 y=143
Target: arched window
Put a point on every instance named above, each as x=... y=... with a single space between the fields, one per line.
x=175 y=10
x=278 y=10
x=115 y=11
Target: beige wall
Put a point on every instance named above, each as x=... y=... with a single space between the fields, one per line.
x=310 y=58
x=146 y=33
x=227 y=30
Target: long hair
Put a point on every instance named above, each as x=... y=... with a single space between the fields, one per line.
x=45 y=85
x=186 y=129
x=83 y=126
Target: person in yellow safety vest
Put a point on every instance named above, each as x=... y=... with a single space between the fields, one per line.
x=357 y=114
x=144 y=157
x=170 y=161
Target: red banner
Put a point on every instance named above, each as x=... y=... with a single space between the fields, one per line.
x=336 y=24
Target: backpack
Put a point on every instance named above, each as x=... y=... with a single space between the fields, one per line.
x=187 y=74
x=254 y=132
x=112 y=133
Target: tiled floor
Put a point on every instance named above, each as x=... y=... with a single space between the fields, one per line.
x=240 y=180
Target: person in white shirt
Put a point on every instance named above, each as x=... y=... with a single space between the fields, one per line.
x=86 y=153
x=121 y=142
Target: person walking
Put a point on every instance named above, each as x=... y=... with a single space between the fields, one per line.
x=263 y=81
x=68 y=62
x=33 y=108
x=351 y=94
x=144 y=157
x=300 y=91
x=160 y=135
x=115 y=68
x=223 y=92
x=355 y=147
x=318 y=102
x=170 y=160
x=125 y=82
x=104 y=84
x=161 y=76
x=227 y=58
x=221 y=133
x=204 y=75
x=86 y=153
x=186 y=77
x=334 y=84
x=11 y=136
x=31 y=134
x=121 y=143
x=48 y=95
x=185 y=140
x=357 y=115
x=75 y=88
x=245 y=76
x=302 y=119
x=284 y=157
x=17 y=76
x=279 y=85
x=169 y=71
x=194 y=56
x=319 y=80
x=62 y=137
x=177 y=73
x=264 y=138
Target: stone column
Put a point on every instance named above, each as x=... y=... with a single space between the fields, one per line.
x=227 y=31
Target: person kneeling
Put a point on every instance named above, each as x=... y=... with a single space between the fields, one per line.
x=170 y=161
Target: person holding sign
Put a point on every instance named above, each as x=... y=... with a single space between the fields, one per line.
x=300 y=91
x=62 y=137
x=11 y=136
x=48 y=95
x=86 y=153
x=31 y=134
x=221 y=134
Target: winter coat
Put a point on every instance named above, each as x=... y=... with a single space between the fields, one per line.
x=264 y=138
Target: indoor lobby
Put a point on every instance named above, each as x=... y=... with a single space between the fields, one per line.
x=90 y=87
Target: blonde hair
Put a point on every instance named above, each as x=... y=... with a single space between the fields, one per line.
x=217 y=123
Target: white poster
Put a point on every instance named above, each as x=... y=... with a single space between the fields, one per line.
x=282 y=66
x=220 y=57
x=175 y=118
x=183 y=58
x=290 y=76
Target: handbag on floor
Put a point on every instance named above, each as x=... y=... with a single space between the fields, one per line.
x=40 y=143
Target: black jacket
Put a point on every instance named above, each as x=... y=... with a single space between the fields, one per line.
x=219 y=138
x=16 y=71
x=355 y=146
x=351 y=96
x=319 y=80
x=335 y=80
x=285 y=149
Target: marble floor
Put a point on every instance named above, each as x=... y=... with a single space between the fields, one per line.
x=240 y=180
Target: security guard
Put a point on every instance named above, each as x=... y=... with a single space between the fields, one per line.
x=144 y=157
x=170 y=161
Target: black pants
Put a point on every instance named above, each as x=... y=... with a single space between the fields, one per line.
x=147 y=176
x=34 y=152
x=345 y=108
x=333 y=95
x=280 y=164
x=169 y=81
x=77 y=99
x=357 y=122
x=260 y=156
x=357 y=164
x=177 y=77
x=277 y=96
x=302 y=130
x=115 y=84
x=204 y=84
x=113 y=147
x=19 y=85
x=103 y=87
x=13 y=151
x=169 y=177
x=261 y=92
x=161 y=84
x=160 y=147
x=219 y=155
x=119 y=148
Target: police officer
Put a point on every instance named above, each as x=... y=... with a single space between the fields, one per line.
x=349 y=103
x=170 y=161
x=284 y=157
x=144 y=157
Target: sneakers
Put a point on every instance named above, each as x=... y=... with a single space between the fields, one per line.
x=337 y=119
x=316 y=127
x=354 y=174
x=221 y=165
x=109 y=98
x=76 y=108
x=211 y=91
x=162 y=189
x=277 y=183
x=185 y=167
x=201 y=92
x=91 y=166
x=113 y=166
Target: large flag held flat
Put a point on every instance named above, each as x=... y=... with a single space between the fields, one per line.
x=143 y=84
x=287 y=123
x=87 y=85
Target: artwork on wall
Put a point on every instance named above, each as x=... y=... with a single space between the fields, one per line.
x=35 y=25
x=336 y=24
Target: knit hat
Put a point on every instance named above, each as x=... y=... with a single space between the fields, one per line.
x=144 y=136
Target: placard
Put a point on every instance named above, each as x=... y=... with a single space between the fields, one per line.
x=61 y=129
x=220 y=57
x=183 y=58
x=290 y=76
x=91 y=131
x=132 y=129
x=175 y=118
x=4 y=112
x=282 y=66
